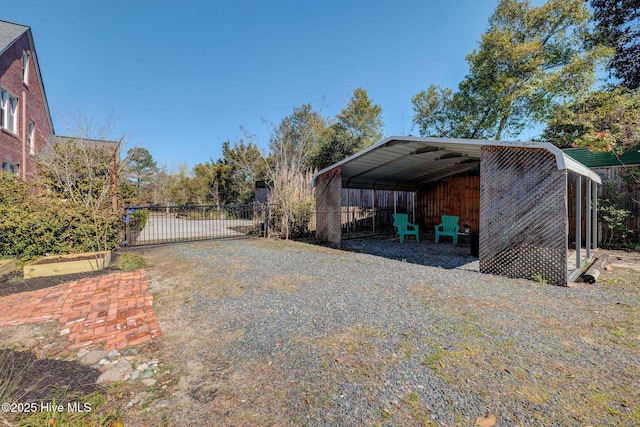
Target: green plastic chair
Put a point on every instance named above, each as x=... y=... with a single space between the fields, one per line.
x=404 y=227
x=449 y=227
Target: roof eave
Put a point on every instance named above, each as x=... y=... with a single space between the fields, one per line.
x=40 y=81
x=9 y=44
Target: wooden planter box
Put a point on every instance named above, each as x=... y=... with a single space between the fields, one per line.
x=67 y=264
x=7 y=266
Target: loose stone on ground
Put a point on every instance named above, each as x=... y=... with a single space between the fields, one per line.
x=116 y=366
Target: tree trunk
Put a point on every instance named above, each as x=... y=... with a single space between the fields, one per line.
x=596 y=268
x=503 y=123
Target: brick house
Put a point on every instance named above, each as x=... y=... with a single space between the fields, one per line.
x=25 y=120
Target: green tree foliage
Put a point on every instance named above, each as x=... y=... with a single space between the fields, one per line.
x=82 y=174
x=186 y=189
x=287 y=169
x=140 y=165
x=140 y=169
x=607 y=120
x=356 y=127
x=231 y=179
x=247 y=165
x=613 y=215
x=529 y=60
x=618 y=26
x=295 y=139
x=78 y=170
x=160 y=189
x=215 y=179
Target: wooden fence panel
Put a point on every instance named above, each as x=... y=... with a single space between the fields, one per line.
x=458 y=196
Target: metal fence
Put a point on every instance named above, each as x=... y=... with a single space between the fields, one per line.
x=152 y=225
x=149 y=225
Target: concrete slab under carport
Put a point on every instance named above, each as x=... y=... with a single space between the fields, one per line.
x=523 y=233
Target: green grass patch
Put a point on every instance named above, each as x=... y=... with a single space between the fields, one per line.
x=16 y=279
x=434 y=360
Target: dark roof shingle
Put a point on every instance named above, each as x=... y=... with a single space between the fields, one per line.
x=9 y=33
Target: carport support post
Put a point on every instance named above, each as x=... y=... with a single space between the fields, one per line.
x=594 y=216
x=413 y=207
x=578 y=219
x=373 y=210
x=267 y=221
x=395 y=201
x=348 y=211
x=587 y=216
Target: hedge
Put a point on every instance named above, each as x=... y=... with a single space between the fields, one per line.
x=35 y=225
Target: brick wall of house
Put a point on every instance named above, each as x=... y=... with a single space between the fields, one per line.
x=14 y=147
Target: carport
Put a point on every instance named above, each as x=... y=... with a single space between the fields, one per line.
x=524 y=199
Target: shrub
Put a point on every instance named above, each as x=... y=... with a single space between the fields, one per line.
x=295 y=220
x=302 y=213
x=613 y=216
x=129 y=261
x=138 y=218
x=34 y=225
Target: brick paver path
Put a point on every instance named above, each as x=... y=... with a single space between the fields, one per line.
x=112 y=311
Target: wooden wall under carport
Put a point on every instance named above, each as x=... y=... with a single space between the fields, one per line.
x=459 y=196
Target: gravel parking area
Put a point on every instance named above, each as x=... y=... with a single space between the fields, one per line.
x=381 y=333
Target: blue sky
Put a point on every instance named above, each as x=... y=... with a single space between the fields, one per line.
x=183 y=77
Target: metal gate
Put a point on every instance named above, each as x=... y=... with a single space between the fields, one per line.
x=151 y=225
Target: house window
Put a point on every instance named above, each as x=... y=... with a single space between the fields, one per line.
x=8 y=111
x=25 y=66
x=10 y=167
x=32 y=145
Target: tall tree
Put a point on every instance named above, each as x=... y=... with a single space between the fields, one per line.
x=186 y=189
x=247 y=165
x=618 y=26
x=140 y=166
x=215 y=179
x=604 y=121
x=84 y=170
x=361 y=120
x=296 y=137
x=288 y=166
x=529 y=60
x=357 y=126
x=160 y=187
x=231 y=179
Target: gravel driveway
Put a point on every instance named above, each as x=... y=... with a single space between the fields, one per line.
x=279 y=333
